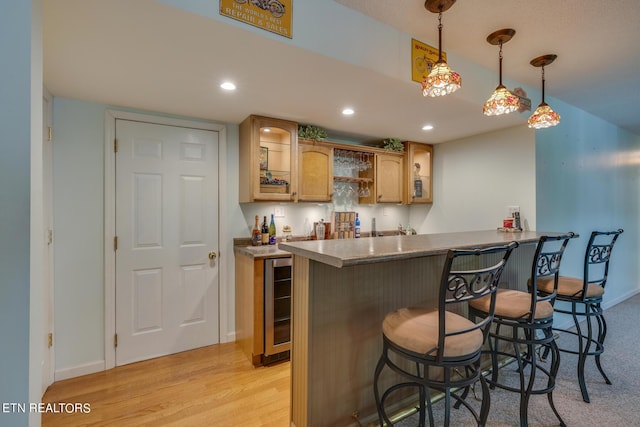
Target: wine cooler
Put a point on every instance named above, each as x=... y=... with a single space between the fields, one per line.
x=277 y=307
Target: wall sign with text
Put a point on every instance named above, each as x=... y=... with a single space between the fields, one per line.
x=270 y=15
x=423 y=57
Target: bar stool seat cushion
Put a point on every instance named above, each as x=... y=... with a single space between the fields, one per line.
x=513 y=304
x=416 y=329
x=570 y=287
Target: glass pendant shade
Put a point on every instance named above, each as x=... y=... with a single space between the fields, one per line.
x=543 y=117
x=502 y=101
x=442 y=80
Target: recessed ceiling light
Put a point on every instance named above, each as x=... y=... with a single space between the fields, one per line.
x=266 y=130
x=348 y=111
x=228 y=86
x=427 y=127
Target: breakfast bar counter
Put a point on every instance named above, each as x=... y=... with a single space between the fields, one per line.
x=342 y=291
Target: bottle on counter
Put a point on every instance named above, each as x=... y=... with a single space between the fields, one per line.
x=272 y=231
x=320 y=230
x=286 y=233
x=308 y=229
x=356 y=233
x=256 y=235
x=417 y=181
x=265 y=232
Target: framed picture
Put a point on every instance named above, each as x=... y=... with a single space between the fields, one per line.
x=264 y=158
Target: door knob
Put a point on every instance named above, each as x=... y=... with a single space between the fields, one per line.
x=212 y=255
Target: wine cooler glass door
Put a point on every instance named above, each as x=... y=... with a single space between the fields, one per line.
x=277 y=301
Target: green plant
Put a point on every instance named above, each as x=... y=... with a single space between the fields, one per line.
x=311 y=132
x=393 y=144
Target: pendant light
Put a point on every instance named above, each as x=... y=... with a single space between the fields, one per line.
x=442 y=80
x=502 y=101
x=544 y=116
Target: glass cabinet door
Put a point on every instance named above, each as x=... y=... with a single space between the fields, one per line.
x=275 y=160
x=419 y=169
x=268 y=160
x=276 y=145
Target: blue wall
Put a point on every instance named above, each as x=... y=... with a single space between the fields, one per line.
x=15 y=122
x=587 y=179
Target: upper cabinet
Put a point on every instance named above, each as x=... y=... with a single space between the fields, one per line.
x=418 y=172
x=268 y=149
x=389 y=181
x=276 y=166
x=315 y=172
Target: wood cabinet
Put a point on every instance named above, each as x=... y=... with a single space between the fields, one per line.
x=249 y=300
x=389 y=178
x=315 y=172
x=268 y=160
x=252 y=314
x=277 y=167
x=418 y=172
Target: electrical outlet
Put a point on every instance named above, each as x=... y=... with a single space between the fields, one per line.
x=511 y=210
x=278 y=211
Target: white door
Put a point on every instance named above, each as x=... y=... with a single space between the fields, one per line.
x=47 y=270
x=166 y=227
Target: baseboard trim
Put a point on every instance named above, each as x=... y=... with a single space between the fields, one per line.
x=78 y=371
x=621 y=298
x=564 y=321
x=229 y=337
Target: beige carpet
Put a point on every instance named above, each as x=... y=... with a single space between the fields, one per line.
x=616 y=405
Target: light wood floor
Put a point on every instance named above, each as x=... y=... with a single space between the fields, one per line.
x=211 y=386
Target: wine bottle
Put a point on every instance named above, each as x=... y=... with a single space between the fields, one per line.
x=265 y=232
x=256 y=235
x=357 y=227
x=272 y=232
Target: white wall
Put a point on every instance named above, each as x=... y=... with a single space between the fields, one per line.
x=588 y=178
x=79 y=130
x=20 y=249
x=467 y=196
x=78 y=171
x=78 y=157
x=298 y=215
x=476 y=178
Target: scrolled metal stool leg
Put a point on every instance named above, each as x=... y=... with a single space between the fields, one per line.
x=382 y=416
x=602 y=334
x=486 y=403
x=555 y=366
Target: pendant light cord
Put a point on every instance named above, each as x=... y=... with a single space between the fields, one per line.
x=543 y=84
x=500 y=61
x=440 y=35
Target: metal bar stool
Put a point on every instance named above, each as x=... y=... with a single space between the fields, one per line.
x=585 y=295
x=523 y=324
x=438 y=349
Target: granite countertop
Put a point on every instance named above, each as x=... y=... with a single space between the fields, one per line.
x=271 y=251
x=342 y=253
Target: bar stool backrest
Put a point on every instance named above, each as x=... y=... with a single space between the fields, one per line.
x=546 y=262
x=465 y=284
x=597 y=257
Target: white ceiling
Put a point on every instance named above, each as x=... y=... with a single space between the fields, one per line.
x=147 y=55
